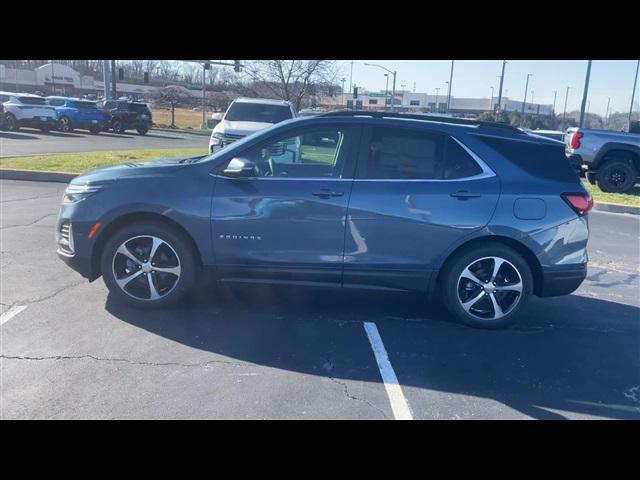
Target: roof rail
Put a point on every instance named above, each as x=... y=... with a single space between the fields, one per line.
x=416 y=116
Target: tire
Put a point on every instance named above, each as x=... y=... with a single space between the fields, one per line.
x=174 y=252
x=64 y=125
x=591 y=177
x=45 y=129
x=117 y=127
x=11 y=124
x=95 y=130
x=142 y=131
x=458 y=287
x=616 y=176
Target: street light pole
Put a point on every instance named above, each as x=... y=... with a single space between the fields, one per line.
x=204 y=76
x=343 y=80
x=437 y=90
x=633 y=94
x=393 y=94
x=491 y=100
x=606 y=113
x=351 y=78
x=504 y=63
x=386 y=92
x=566 y=96
x=585 y=93
x=449 y=82
x=555 y=93
x=526 y=87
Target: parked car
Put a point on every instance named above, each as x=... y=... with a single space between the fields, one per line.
x=246 y=116
x=611 y=159
x=1 y=116
x=482 y=213
x=126 y=115
x=72 y=113
x=27 y=110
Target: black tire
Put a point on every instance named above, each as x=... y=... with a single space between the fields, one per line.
x=616 y=176
x=179 y=245
x=95 y=130
x=117 y=126
x=46 y=129
x=11 y=124
x=64 y=125
x=452 y=289
x=591 y=177
x=142 y=131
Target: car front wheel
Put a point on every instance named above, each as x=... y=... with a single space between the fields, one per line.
x=11 y=123
x=64 y=125
x=486 y=286
x=148 y=265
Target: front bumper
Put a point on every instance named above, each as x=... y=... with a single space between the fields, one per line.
x=563 y=280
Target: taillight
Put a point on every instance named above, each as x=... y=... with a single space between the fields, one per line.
x=581 y=203
x=575 y=140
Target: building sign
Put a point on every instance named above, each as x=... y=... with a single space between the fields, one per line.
x=57 y=78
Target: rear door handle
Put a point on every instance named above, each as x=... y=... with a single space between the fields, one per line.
x=463 y=195
x=326 y=193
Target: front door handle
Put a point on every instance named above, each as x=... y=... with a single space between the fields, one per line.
x=463 y=195
x=326 y=193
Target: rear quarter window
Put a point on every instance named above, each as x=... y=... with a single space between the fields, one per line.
x=542 y=160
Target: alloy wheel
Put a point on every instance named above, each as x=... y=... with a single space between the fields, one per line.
x=146 y=267
x=489 y=288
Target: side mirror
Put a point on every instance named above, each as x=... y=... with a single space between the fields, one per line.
x=241 y=168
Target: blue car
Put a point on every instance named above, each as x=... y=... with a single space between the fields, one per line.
x=72 y=113
x=482 y=214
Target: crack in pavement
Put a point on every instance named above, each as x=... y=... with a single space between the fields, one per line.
x=125 y=360
x=46 y=297
x=28 y=224
x=353 y=397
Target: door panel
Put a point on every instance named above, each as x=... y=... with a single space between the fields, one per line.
x=285 y=225
x=398 y=228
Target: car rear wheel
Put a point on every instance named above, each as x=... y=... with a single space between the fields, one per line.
x=486 y=286
x=616 y=176
x=142 y=131
x=11 y=123
x=148 y=265
x=45 y=129
x=64 y=125
x=95 y=130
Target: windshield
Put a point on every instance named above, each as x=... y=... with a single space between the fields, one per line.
x=258 y=112
x=33 y=100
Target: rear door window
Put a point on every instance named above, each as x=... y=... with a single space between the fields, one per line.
x=32 y=100
x=402 y=153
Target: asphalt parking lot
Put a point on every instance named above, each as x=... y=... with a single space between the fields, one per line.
x=33 y=142
x=285 y=353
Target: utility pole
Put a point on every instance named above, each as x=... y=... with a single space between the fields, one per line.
x=114 y=91
x=343 y=80
x=555 y=94
x=566 y=96
x=449 y=93
x=526 y=87
x=106 y=79
x=491 y=100
x=351 y=78
x=606 y=113
x=633 y=94
x=393 y=95
x=585 y=93
x=504 y=63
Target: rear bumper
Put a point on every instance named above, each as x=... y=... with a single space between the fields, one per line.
x=562 y=280
x=88 y=124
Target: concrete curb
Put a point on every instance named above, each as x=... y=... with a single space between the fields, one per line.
x=616 y=208
x=35 y=176
x=177 y=130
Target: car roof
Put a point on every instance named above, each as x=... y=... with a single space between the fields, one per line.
x=267 y=101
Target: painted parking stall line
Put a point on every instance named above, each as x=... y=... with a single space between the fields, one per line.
x=399 y=404
x=12 y=312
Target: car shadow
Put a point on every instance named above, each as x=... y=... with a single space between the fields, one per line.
x=157 y=135
x=569 y=354
x=52 y=133
x=17 y=136
x=113 y=135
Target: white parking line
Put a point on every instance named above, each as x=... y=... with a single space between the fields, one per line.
x=12 y=312
x=399 y=404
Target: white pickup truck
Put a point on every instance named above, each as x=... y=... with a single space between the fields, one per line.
x=246 y=116
x=611 y=159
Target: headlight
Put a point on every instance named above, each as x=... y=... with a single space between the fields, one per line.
x=75 y=193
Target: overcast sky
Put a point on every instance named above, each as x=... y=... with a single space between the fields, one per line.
x=473 y=78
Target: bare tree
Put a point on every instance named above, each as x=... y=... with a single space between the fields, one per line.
x=291 y=80
x=172 y=96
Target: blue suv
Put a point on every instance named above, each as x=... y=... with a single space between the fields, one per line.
x=486 y=214
x=72 y=113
